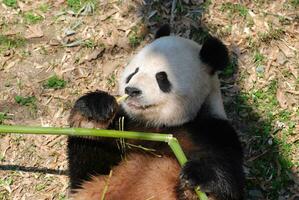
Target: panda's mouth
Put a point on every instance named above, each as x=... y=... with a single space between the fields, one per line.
x=136 y=105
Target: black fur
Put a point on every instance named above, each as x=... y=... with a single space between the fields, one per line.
x=131 y=75
x=214 y=53
x=88 y=157
x=217 y=166
x=99 y=106
x=164 y=30
x=163 y=82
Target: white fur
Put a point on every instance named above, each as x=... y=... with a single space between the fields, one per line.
x=192 y=84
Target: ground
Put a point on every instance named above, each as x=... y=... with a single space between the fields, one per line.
x=51 y=52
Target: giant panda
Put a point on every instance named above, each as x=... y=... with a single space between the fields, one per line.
x=172 y=87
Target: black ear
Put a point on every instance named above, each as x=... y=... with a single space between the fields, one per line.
x=164 y=30
x=214 y=53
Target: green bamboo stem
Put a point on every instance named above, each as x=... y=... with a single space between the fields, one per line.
x=168 y=138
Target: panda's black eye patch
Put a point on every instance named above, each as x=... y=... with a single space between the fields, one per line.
x=131 y=75
x=163 y=81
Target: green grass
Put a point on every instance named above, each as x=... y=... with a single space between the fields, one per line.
x=25 y=101
x=6 y=181
x=199 y=34
x=44 y=7
x=76 y=5
x=231 y=68
x=62 y=197
x=3 y=116
x=32 y=18
x=54 y=82
x=232 y=8
x=29 y=102
x=111 y=80
x=40 y=186
x=258 y=58
x=272 y=34
x=134 y=38
x=262 y=112
x=11 y=42
x=295 y=3
x=10 y=3
x=90 y=43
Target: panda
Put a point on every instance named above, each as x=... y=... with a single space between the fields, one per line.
x=172 y=87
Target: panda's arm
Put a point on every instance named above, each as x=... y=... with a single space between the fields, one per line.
x=217 y=166
x=92 y=155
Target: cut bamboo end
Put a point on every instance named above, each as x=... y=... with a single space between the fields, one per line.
x=122 y=98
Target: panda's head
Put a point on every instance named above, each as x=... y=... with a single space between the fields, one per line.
x=170 y=80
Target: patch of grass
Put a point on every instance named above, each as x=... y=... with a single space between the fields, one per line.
x=62 y=197
x=3 y=116
x=111 y=81
x=2 y=157
x=295 y=3
x=272 y=34
x=180 y=8
x=10 y=3
x=75 y=5
x=232 y=8
x=44 y=7
x=134 y=38
x=157 y=18
x=6 y=181
x=10 y=42
x=90 y=43
x=25 y=101
x=272 y=149
x=258 y=58
x=199 y=34
x=265 y=167
x=32 y=18
x=55 y=83
x=231 y=68
x=40 y=186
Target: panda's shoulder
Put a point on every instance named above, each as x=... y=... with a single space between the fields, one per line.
x=213 y=131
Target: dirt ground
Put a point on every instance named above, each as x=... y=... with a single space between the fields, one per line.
x=52 y=52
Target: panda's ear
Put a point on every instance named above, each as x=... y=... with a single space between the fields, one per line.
x=214 y=53
x=164 y=30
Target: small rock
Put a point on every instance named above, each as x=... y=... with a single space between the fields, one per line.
x=97 y=53
x=54 y=42
x=8 y=53
x=257 y=194
x=260 y=69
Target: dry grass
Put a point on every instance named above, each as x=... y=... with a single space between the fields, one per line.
x=87 y=48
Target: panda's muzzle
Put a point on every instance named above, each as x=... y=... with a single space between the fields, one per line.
x=133 y=91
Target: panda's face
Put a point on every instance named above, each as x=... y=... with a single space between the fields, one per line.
x=166 y=82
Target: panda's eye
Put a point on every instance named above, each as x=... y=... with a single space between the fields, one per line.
x=163 y=81
x=131 y=75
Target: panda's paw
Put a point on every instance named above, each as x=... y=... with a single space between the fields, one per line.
x=194 y=174
x=93 y=110
x=212 y=179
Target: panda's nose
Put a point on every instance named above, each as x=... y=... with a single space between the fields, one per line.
x=132 y=91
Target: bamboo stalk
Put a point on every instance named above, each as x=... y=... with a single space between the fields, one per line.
x=168 y=138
